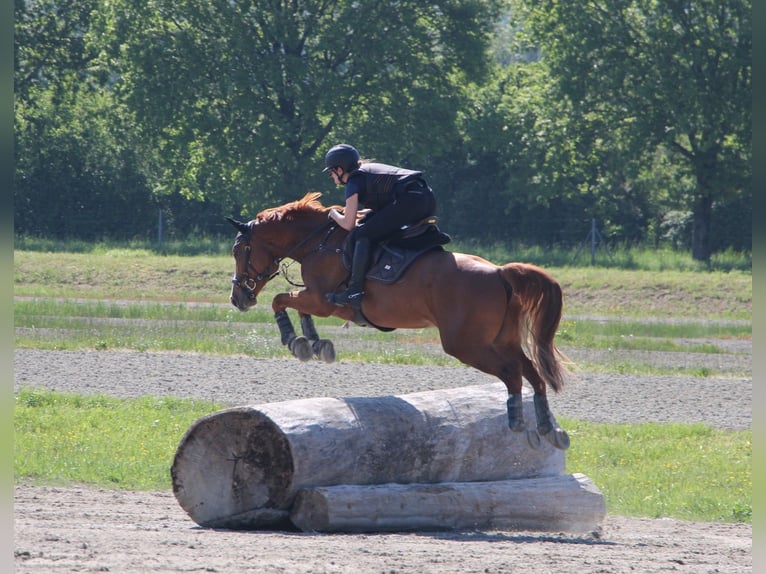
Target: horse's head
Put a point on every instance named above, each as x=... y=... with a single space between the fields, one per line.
x=278 y=232
x=255 y=265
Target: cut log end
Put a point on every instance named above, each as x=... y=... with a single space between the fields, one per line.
x=232 y=463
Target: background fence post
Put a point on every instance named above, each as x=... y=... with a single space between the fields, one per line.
x=159 y=228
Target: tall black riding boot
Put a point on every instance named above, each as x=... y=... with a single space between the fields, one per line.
x=353 y=295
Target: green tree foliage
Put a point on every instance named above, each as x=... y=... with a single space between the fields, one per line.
x=547 y=174
x=528 y=122
x=77 y=174
x=668 y=73
x=242 y=99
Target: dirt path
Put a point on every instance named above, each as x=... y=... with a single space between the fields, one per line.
x=89 y=530
x=93 y=530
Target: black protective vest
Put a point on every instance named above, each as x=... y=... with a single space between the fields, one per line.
x=377 y=183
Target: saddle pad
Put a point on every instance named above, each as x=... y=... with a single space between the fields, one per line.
x=389 y=262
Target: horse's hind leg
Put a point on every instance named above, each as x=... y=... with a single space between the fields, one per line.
x=509 y=371
x=322 y=348
x=515 y=412
x=557 y=436
x=299 y=346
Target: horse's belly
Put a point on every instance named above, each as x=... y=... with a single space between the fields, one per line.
x=384 y=316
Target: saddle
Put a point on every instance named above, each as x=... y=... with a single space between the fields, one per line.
x=392 y=257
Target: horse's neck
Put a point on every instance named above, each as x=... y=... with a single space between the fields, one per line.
x=303 y=237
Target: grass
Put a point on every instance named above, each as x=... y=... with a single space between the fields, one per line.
x=691 y=472
x=220 y=329
x=63 y=438
x=634 y=335
x=120 y=274
x=624 y=256
x=685 y=471
x=110 y=297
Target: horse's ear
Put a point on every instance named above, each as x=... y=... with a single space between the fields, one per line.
x=241 y=227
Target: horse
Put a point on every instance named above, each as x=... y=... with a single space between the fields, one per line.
x=486 y=314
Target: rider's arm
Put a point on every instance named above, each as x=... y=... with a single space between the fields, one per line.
x=347 y=219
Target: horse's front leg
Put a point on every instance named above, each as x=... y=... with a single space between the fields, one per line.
x=308 y=344
x=323 y=348
x=299 y=346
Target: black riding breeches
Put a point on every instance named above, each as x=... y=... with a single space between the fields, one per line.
x=410 y=205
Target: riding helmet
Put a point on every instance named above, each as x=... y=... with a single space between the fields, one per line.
x=343 y=155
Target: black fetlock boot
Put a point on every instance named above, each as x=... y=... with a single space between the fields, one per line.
x=355 y=292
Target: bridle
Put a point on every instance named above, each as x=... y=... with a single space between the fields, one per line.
x=248 y=284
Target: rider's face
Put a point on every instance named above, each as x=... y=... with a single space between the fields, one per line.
x=337 y=175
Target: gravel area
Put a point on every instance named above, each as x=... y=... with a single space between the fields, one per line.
x=83 y=529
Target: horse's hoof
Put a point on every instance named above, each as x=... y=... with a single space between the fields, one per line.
x=559 y=438
x=301 y=348
x=324 y=350
x=534 y=440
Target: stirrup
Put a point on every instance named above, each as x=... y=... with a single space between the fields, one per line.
x=353 y=300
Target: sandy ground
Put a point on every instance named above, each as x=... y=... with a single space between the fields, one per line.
x=83 y=529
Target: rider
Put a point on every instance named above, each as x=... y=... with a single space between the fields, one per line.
x=388 y=197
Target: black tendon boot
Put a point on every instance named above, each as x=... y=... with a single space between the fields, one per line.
x=353 y=295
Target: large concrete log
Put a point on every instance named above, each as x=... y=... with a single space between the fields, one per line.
x=566 y=503
x=243 y=467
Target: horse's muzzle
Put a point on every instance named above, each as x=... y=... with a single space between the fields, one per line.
x=242 y=299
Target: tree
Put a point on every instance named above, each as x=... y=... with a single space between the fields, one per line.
x=241 y=99
x=77 y=173
x=668 y=73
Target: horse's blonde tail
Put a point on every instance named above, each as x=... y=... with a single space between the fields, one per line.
x=541 y=300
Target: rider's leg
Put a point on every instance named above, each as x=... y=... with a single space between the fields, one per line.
x=409 y=207
x=355 y=292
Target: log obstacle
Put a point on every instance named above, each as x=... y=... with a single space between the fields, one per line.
x=244 y=467
x=553 y=503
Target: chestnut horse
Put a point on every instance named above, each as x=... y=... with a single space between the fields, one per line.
x=486 y=315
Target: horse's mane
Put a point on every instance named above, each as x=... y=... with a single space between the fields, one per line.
x=308 y=204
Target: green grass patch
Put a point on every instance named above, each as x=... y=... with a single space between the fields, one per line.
x=62 y=438
x=648 y=368
x=624 y=257
x=685 y=471
x=643 y=294
x=620 y=256
x=27 y=311
x=631 y=335
x=64 y=324
x=142 y=275
x=584 y=330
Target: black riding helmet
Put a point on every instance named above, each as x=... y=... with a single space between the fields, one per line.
x=342 y=155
